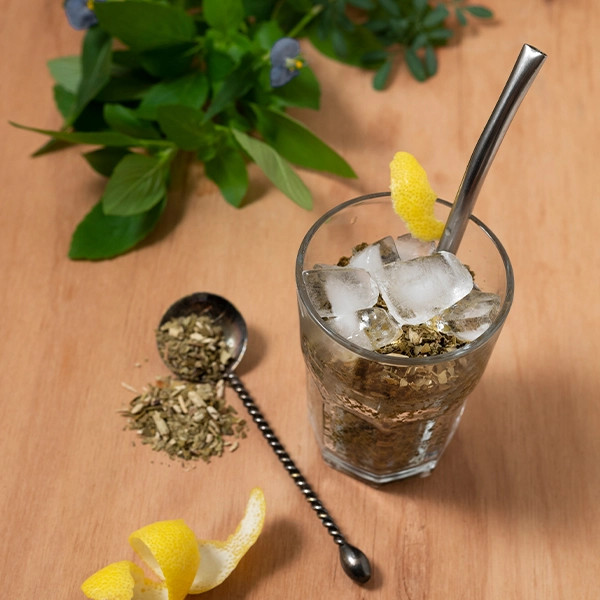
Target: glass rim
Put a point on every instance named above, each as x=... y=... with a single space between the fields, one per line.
x=390 y=359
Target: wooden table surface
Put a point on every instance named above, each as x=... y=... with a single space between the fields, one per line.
x=512 y=510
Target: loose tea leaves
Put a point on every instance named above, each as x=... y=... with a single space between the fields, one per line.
x=421 y=340
x=189 y=421
x=194 y=347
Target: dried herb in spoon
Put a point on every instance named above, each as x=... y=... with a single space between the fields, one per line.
x=194 y=347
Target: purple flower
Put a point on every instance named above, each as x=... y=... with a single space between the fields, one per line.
x=80 y=13
x=285 y=61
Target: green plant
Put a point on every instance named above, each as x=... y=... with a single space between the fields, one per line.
x=215 y=78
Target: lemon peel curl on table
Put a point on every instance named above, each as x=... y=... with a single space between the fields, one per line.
x=412 y=197
x=184 y=565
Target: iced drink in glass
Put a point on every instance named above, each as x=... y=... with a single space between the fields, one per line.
x=394 y=334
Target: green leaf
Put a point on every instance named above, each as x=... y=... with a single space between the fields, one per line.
x=125 y=120
x=168 y=62
x=363 y=4
x=235 y=85
x=303 y=91
x=299 y=145
x=430 y=61
x=460 y=15
x=479 y=11
x=352 y=47
x=64 y=100
x=419 y=41
x=439 y=36
x=66 y=72
x=190 y=90
x=420 y=6
x=375 y=58
x=90 y=118
x=267 y=33
x=185 y=127
x=145 y=25
x=95 y=68
x=50 y=146
x=94 y=138
x=228 y=170
x=101 y=236
x=415 y=65
x=104 y=160
x=276 y=169
x=382 y=74
x=136 y=185
x=436 y=16
x=260 y=10
x=391 y=6
x=224 y=15
x=121 y=89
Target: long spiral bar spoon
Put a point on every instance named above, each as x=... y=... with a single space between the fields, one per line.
x=354 y=562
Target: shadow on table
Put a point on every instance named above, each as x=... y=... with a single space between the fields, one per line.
x=526 y=453
x=255 y=351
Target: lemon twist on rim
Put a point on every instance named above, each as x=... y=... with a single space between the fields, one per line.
x=412 y=197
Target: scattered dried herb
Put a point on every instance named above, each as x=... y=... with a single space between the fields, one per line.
x=186 y=420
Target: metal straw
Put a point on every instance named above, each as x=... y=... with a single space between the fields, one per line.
x=526 y=68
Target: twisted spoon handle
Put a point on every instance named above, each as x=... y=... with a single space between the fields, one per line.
x=354 y=562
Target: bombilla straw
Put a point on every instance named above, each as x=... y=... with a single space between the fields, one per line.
x=526 y=68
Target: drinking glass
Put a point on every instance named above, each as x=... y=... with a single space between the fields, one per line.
x=384 y=417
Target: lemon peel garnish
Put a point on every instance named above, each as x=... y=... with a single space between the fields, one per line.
x=219 y=559
x=412 y=197
x=184 y=564
x=169 y=548
x=123 y=580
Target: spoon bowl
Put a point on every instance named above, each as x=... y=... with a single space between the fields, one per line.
x=222 y=313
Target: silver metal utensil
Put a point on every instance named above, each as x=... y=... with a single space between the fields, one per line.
x=526 y=68
x=225 y=315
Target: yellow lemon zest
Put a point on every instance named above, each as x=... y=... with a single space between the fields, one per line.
x=122 y=581
x=219 y=559
x=412 y=197
x=185 y=565
x=169 y=548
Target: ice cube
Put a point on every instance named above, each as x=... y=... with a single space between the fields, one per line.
x=370 y=328
x=417 y=290
x=409 y=247
x=378 y=326
x=337 y=291
x=470 y=316
x=350 y=327
x=373 y=257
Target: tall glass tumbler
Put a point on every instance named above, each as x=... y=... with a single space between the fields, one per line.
x=384 y=417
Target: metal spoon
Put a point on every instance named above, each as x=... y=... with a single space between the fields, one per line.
x=354 y=562
x=526 y=68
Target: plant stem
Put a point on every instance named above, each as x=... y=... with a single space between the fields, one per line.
x=306 y=19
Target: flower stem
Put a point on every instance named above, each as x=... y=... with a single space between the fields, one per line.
x=306 y=19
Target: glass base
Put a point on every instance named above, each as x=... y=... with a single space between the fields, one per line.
x=422 y=470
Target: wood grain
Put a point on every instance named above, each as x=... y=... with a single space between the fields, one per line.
x=512 y=510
